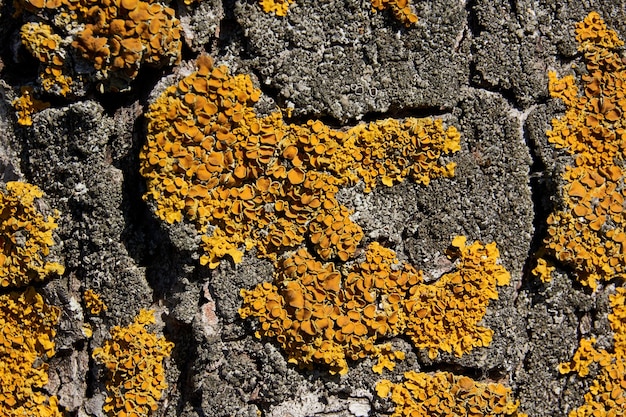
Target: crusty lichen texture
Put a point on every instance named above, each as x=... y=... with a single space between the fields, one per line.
x=588 y=233
x=27 y=326
x=401 y=9
x=249 y=181
x=448 y=395
x=116 y=37
x=320 y=314
x=25 y=237
x=134 y=359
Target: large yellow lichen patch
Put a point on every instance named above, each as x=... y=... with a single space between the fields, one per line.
x=134 y=362
x=27 y=330
x=447 y=395
x=25 y=237
x=116 y=37
x=320 y=314
x=249 y=181
x=27 y=323
x=589 y=232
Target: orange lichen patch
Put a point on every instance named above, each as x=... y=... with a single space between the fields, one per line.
x=93 y=302
x=333 y=234
x=119 y=39
x=543 y=270
x=216 y=247
x=25 y=237
x=27 y=330
x=592 y=32
x=444 y=316
x=401 y=9
x=134 y=362
x=320 y=314
x=278 y=7
x=589 y=232
x=392 y=151
x=249 y=181
x=447 y=395
x=45 y=45
x=116 y=37
x=25 y=105
x=607 y=394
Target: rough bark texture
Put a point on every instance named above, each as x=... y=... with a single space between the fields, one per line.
x=481 y=65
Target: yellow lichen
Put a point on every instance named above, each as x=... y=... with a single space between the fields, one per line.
x=543 y=270
x=401 y=9
x=116 y=37
x=319 y=314
x=27 y=326
x=249 y=181
x=45 y=45
x=93 y=302
x=447 y=395
x=589 y=232
x=134 y=359
x=25 y=237
x=607 y=394
x=25 y=105
x=278 y=7
x=445 y=315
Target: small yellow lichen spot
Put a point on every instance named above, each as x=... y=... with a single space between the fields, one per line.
x=25 y=105
x=383 y=388
x=543 y=270
x=93 y=302
x=28 y=330
x=278 y=7
x=401 y=10
x=26 y=237
x=87 y=330
x=459 y=242
x=445 y=394
x=134 y=359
